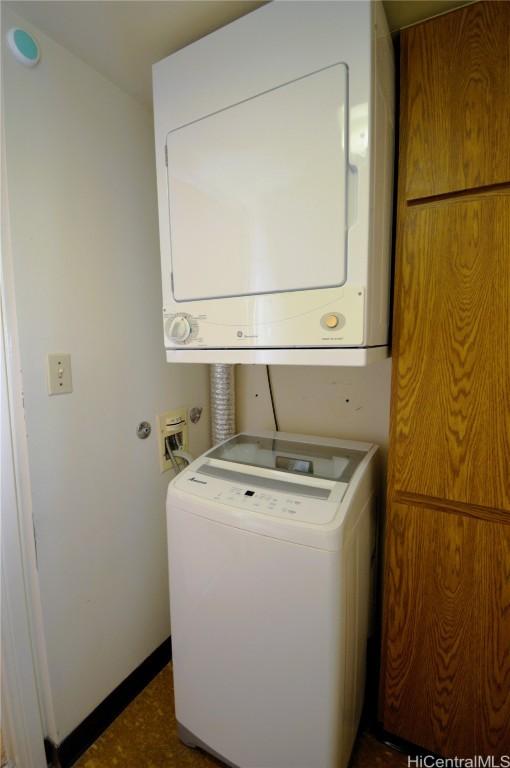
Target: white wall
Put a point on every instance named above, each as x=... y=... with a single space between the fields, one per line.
x=21 y=726
x=331 y=402
x=81 y=183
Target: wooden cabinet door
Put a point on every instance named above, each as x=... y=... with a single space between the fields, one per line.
x=446 y=659
x=457 y=70
x=451 y=388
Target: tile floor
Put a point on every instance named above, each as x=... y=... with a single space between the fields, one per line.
x=145 y=736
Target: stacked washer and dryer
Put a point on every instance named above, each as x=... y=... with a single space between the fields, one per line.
x=274 y=147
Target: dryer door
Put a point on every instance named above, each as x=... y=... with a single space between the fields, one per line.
x=257 y=192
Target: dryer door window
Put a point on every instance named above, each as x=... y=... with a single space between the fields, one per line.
x=257 y=193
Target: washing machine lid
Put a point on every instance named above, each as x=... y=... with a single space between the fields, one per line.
x=294 y=457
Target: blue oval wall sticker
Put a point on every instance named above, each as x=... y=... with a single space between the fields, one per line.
x=23 y=46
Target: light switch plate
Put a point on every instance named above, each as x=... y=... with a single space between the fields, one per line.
x=60 y=381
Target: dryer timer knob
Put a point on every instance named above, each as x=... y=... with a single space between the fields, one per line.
x=180 y=328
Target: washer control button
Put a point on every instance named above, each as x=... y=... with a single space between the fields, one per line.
x=332 y=321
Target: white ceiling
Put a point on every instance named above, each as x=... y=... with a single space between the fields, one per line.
x=122 y=40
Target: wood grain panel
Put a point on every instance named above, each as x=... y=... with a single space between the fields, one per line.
x=458 y=73
x=445 y=680
x=446 y=649
x=451 y=386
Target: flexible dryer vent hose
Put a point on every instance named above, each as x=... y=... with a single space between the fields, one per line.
x=223 y=402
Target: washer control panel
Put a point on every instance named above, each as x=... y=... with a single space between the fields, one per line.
x=259 y=500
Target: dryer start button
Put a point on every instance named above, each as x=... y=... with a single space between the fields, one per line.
x=333 y=321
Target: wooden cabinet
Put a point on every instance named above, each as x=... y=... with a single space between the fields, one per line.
x=447 y=668
x=452 y=354
x=445 y=678
x=458 y=100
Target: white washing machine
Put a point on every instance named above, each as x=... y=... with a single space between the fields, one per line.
x=270 y=540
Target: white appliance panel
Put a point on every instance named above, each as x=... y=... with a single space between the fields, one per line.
x=271 y=319
x=255 y=620
x=267 y=500
x=258 y=193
